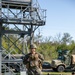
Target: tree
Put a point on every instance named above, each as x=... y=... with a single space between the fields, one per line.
x=66 y=39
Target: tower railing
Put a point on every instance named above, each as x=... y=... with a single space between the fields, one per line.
x=12 y=13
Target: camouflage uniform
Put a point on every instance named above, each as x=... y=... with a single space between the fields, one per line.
x=33 y=63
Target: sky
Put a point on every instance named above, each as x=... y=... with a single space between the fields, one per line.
x=60 y=17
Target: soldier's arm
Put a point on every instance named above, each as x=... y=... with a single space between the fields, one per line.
x=41 y=56
x=25 y=60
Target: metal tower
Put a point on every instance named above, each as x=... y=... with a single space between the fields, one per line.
x=19 y=18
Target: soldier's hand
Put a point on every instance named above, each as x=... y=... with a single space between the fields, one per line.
x=36 y=56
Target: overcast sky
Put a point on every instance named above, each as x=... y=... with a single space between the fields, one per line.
x=60 y=17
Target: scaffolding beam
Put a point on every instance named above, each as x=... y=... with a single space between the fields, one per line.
x=0 y=41
x=0 y=48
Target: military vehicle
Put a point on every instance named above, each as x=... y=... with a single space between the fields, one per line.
x=65 y=61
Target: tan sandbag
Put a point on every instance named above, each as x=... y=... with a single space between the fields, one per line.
x=73 y=59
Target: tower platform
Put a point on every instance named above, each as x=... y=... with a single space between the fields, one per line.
x=16 y=3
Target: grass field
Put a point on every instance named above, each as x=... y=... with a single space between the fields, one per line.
x=56 y=73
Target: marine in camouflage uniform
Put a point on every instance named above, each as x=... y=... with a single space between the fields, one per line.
x=33 y=61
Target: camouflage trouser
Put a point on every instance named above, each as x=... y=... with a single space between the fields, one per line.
x=34 y=72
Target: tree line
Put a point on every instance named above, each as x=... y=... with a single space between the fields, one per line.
x=48 y=46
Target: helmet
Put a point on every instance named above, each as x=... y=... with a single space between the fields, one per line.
x=33 y=46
